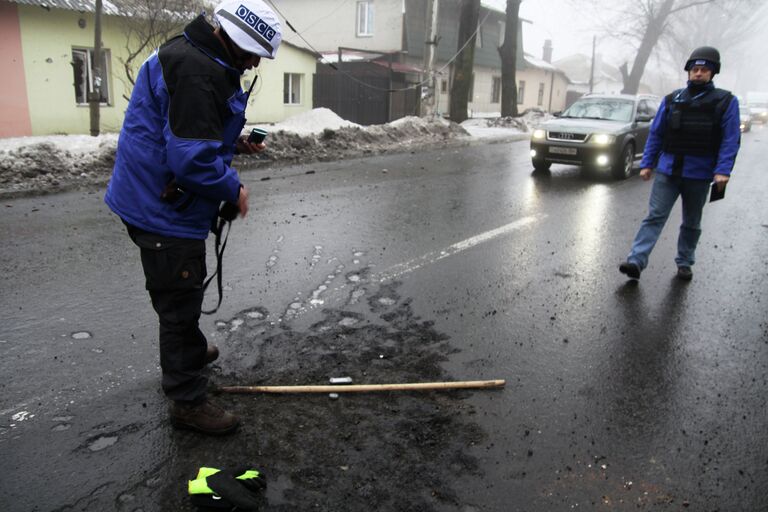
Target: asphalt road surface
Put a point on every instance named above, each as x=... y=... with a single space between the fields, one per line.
x=450 y=264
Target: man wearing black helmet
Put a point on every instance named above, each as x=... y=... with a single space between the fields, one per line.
x=693 y=142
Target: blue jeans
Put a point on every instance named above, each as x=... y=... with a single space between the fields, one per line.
x=664 y=193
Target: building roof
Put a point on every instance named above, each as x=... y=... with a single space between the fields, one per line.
x=578 y=68
x=109 y=7
x=533 y=62
x=365 y=56
x=76 y=5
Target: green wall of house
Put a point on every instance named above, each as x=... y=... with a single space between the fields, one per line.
x=48 y=37
x=266 y=103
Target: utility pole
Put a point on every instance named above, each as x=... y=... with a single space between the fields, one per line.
x=429 y=92
x=95 y=94
x=592 y=69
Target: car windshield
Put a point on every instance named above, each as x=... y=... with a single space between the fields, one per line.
x=609 y=109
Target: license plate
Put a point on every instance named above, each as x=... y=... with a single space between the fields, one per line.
x=562 y=151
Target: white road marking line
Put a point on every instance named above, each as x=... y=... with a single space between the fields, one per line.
x=435 y=256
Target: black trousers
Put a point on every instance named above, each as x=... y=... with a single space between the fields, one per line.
x=174 y=269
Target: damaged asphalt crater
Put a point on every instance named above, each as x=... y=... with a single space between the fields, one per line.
x=362 y=451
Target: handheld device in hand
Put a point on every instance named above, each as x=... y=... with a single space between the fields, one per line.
x=715 y=193
x=257 y=136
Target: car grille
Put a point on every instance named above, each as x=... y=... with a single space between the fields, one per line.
x=567 y=136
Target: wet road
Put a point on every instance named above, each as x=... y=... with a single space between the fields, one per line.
x=619 y=396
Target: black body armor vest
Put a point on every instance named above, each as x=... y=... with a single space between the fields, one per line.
x=693 y=127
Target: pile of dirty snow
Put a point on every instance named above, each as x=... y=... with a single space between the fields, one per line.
x=39 y=165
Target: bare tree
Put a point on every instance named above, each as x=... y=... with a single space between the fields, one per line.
x=725 y=25
x=645 y=23
x=462 y=68
x=150 y=24
x=655 y=19
x=508 y=53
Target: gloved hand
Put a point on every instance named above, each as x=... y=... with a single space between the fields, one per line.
x=228 y=489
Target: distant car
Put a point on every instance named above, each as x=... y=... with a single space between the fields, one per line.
x=758 y=113
x=602 y=132
x=745 y=120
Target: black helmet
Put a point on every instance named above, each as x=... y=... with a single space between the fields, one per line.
x=707 y=53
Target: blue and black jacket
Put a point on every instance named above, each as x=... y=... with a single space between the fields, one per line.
x=186 y=112
x=695 y=134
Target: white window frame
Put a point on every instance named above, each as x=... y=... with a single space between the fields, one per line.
x=540 y=98
x=364 y=19
x=521 y=92
x=292 y=85
x=86 y=55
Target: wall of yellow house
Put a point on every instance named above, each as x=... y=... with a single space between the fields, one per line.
x=48 y=37
x=266 y=104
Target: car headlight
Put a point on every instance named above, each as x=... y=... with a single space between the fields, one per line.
x=539 y=134
x=603 y=138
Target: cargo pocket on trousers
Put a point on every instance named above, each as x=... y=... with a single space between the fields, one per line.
x=175 y=264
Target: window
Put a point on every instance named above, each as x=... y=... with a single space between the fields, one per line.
x=444 y=86
x=82 y=66
x=291 y=89
x=646 y=107
x=364 y=18
x=540 y=99
x=496 y=90
x=521 y=92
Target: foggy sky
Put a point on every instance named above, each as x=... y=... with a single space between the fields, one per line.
x=745 y=66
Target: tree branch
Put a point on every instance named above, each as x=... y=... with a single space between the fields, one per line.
x=688 y=6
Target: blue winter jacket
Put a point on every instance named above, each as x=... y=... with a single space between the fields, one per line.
x=696 y=167
x=186 y=112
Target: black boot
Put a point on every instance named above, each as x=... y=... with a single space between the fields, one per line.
x=632 y=270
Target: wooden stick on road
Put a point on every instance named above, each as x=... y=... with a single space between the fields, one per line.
x=367 y=388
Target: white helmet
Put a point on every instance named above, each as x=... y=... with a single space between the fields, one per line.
x=252 y=25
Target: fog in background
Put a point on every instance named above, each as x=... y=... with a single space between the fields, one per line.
x=571 y=25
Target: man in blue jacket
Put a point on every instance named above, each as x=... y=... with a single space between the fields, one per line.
x=173 y=171
x=693 y=142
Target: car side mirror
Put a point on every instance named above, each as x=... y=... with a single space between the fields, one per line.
x=644 y=118
x=558 y=113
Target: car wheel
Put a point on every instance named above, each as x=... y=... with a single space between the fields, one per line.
x=541 y=166
x=623 y=168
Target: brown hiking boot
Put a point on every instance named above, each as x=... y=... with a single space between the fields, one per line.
x=211 y=354
x=206 y=418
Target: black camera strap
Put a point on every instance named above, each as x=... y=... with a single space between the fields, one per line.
x=220 y=246
x=225 y=218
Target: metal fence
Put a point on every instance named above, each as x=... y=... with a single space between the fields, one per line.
x=366 y=99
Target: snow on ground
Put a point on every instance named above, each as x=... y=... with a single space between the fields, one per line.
x=308 y=123
x=51 y=163
x=76 y=144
